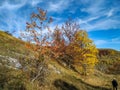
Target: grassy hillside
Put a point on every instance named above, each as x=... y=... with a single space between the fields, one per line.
x=10 y=46
x=66 y=79
x=59 y=78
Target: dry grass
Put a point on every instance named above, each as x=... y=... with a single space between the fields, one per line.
x=97 y=81
x=60 y=75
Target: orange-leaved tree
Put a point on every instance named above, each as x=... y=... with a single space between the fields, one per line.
x=37 y=37
x=76 y=47
x=58 y=43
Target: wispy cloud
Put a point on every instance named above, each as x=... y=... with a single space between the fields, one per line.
x=14 y=19
x=100 y=42
x=10 y=6
x=94 y=7
x=110 y=13
x=116 y=40
x=108 y=45
x=107 y=41
x=35 y=2
x=86 y=21
x=58 y=6
x=16 y=4
x=93 y=15
x=104 y=18
x=101 y=25
x=13 y=22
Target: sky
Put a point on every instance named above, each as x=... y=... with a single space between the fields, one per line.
x=100 y=18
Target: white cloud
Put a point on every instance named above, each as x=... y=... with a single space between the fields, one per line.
x=110 y=13
x=14 y=23
x=16 y=4
x=35 y=2
x=100 y=42
x=102 y=25
x=113 y=43
x=94 y=7
x=99 y=13
x=116 y=40
x=58 y=6
x=101 y=22
x=86 y=21
x=96 y=10
x=10 y=17
x=7 y=5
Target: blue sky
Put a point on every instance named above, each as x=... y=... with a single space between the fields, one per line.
x=100 y=18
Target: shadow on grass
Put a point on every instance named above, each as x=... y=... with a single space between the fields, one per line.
x=92 y=87
x=62 y=85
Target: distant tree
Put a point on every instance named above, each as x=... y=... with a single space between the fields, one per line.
x=108 y=60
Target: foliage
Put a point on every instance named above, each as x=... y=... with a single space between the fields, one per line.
x=37 y=41
x=73 y=47
x=84 y=51
x=17 y=77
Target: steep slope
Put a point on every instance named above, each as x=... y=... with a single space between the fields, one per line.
x=59 y=78
x=11 y=49
x=66 y=79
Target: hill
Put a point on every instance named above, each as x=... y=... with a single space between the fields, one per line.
x=109 y=61
x=59 y=77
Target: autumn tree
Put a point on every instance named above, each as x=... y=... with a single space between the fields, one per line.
x=37 y=41
x=58 y=44
x=74 y=46
x=62 y=36
x=68 y=44
x=85 y=52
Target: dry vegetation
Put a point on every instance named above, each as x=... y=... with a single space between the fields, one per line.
x=60 y=78
x=67 y=62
